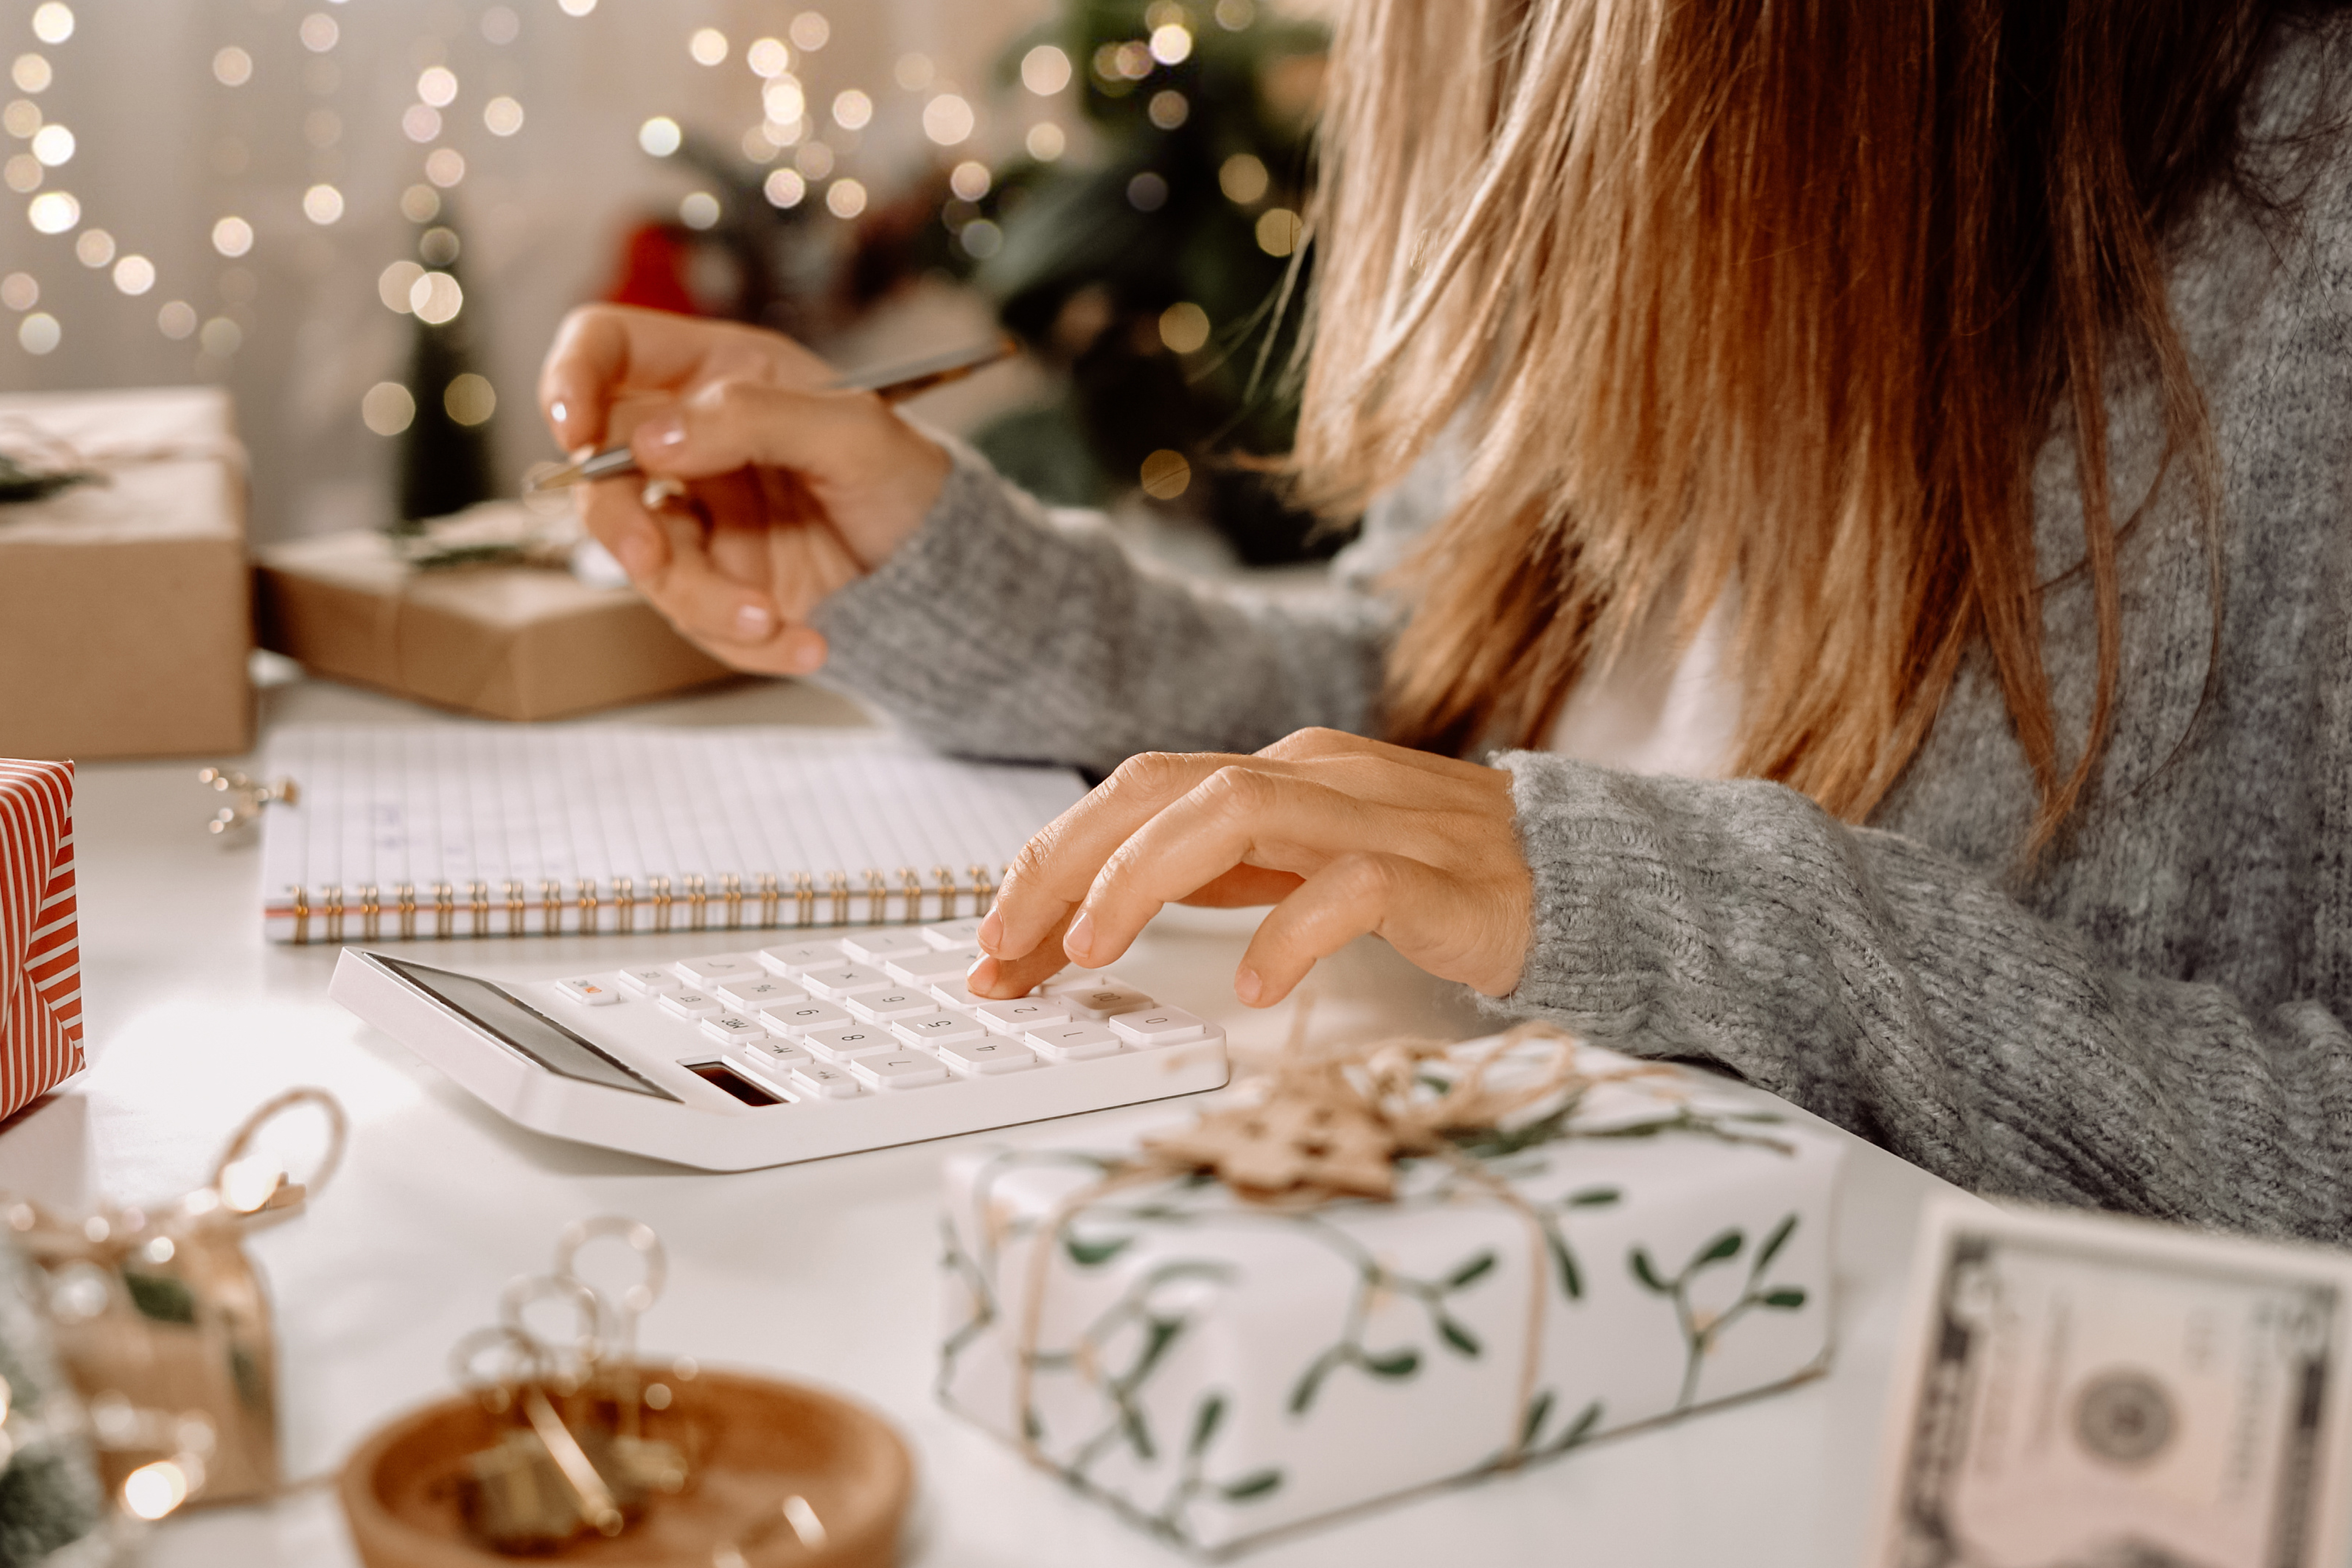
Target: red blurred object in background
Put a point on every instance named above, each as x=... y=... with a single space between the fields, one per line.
x=654 y=263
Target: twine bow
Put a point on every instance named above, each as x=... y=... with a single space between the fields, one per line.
x=37 y=463
x=1334 y=1125
x=245 y=1190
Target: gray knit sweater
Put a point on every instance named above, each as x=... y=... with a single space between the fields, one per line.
x=2151 y=1020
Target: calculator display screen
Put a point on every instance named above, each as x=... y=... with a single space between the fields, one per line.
x=500 y=1013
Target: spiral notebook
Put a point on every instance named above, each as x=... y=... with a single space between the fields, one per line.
x=408 y=832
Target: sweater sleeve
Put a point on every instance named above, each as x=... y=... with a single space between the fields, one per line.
x=1904 y=997
x=996 y=631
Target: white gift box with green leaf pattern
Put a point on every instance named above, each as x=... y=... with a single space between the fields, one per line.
x=1217 y=1369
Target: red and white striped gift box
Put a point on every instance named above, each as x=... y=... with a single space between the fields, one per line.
x=40 y=946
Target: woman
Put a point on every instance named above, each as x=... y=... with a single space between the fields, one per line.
x=1926 y=419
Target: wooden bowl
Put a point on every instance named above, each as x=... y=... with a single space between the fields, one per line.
x=761 y=1441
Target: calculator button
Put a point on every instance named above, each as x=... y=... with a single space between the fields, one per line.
x=1106 y=1002
x=938 y=1026
x=907 y=1070
x=717 y=966
x=956 y=993
x=838 y=980
x=825 y=1082
x=888 y=1006
x=650 y=982
x=953 y=933
x=1083 y=980
x=792 y=957
x=592 y=992
x=933 y=964
x=793 y=1019
x=692 y=1004
x=851 y=1040
x=777 y=1055
x=975 y=1058
x=759 y=992
x=1023 y=1014
x=1071 y=1042
x=733 y=1029
x=881 y=946
x=1157 y=1026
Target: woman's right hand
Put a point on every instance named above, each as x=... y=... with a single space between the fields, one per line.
x=790 y=492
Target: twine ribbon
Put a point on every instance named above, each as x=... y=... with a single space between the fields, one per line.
x=1334 y=1125
x=45 y=454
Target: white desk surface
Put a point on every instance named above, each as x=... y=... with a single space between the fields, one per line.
x=822 y=1272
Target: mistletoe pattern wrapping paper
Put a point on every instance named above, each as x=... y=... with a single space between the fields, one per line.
x=1217 y=1369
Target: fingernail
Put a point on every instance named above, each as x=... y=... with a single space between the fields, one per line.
x=638 y=556
x=559 y=412
x=991 y=931
x=1247 y=986
x=1080 y=939
x=981 y=975
x=753 y=623
x=809 y=656
x=662 y=430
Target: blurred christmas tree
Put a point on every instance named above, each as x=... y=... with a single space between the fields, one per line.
x=1156 y=271
x=445 y=453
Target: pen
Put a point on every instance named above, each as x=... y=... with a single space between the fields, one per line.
x=893 y=382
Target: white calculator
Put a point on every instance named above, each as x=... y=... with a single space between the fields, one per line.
x=730 y=1060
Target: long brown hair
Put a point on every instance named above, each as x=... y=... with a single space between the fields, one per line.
x=1784 y=293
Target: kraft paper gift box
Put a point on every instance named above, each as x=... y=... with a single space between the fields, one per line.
x=40 y=951
x=505 y=641
x=1217 y=1369
x=126 y=605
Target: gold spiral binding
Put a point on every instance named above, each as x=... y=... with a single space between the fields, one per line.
x=327 y=909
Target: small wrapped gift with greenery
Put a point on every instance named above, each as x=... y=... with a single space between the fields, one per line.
x=1367 y=1273
x=162 y=1328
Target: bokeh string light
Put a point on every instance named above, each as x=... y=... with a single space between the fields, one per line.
x=808 y=150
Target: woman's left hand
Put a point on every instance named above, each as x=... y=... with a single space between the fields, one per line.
x=1341 y=835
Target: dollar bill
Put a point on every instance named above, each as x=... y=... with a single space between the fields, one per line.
x=2076 y=1391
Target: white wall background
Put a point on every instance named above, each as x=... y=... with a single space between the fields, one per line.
x=163 y=150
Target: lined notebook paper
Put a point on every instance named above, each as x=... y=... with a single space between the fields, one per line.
x=460 y=830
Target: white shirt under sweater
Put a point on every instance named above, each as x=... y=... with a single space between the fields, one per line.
x=1649 y=712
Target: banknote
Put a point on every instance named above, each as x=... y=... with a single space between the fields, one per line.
x=2076 y=1391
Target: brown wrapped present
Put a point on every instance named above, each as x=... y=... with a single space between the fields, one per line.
x=506 y=640
x=164 y=1327
x=125 y=610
